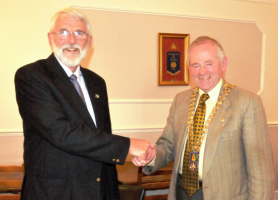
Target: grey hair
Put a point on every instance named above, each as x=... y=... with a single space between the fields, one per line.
x=203 y=39
x=73 y=12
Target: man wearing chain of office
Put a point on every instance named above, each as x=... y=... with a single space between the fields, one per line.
x=216 y=134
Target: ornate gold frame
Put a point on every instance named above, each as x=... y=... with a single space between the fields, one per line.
x=174 y=40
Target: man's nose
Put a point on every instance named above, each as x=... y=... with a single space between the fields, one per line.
x=202 y=70
x=72 y=39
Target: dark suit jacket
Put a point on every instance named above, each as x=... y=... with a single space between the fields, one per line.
x=65 y=155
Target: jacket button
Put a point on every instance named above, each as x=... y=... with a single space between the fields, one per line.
x=114 y=159
x=118 y=160
x=98 y=179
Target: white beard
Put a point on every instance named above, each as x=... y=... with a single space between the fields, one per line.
x=70 y=62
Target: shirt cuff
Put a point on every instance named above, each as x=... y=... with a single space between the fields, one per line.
x=151 y=164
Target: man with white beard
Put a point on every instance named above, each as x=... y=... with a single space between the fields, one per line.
x=69 y=151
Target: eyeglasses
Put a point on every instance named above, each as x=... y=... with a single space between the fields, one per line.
x=64 y=34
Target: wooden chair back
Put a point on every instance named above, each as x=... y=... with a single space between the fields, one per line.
x=133 y=192
x=9 y=196
x=11 y=178
x=158 y=180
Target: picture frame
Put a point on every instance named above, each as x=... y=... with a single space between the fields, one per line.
x=172 y=65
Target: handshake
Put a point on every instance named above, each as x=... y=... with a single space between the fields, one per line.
x=143 y=152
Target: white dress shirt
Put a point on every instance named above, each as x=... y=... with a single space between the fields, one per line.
x=210 y=103
x=82 y=84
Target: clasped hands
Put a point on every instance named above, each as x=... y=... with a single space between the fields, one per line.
x=143 y=152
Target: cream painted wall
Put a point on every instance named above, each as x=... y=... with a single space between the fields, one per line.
x=23 y=38
x=25 y=24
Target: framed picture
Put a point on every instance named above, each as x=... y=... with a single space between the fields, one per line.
x=172 y=65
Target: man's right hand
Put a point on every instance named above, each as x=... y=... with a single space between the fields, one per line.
x=140 y=148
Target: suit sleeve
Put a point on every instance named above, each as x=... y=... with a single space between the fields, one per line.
x=46 y=114
x=165 y=151
x=258 y=152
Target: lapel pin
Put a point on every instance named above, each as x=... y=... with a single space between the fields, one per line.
x=223 y=120
x=97 y=96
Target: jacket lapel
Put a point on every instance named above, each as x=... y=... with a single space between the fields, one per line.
x=65 y=86
x=216 y=128
x=93 y=89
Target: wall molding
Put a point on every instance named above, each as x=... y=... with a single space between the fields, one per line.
x=262 y=1
x=138 y=130
x=140 y=101
x=12 y=133
x=162 y=14
x=272 y=124
x=262 y=61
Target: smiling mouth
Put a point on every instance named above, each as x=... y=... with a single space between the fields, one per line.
x=71 y=49
x=204 y=79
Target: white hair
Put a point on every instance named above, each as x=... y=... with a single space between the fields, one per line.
x=203 y=39
x=73 y=12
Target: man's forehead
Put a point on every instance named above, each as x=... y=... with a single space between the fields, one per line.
x=203 y=53
x=207 y=44
x=208 y=48
x=65 y=19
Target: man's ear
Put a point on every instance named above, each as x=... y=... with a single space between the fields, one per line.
x=90 y=40
x=224 y=64
x=49 y=39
